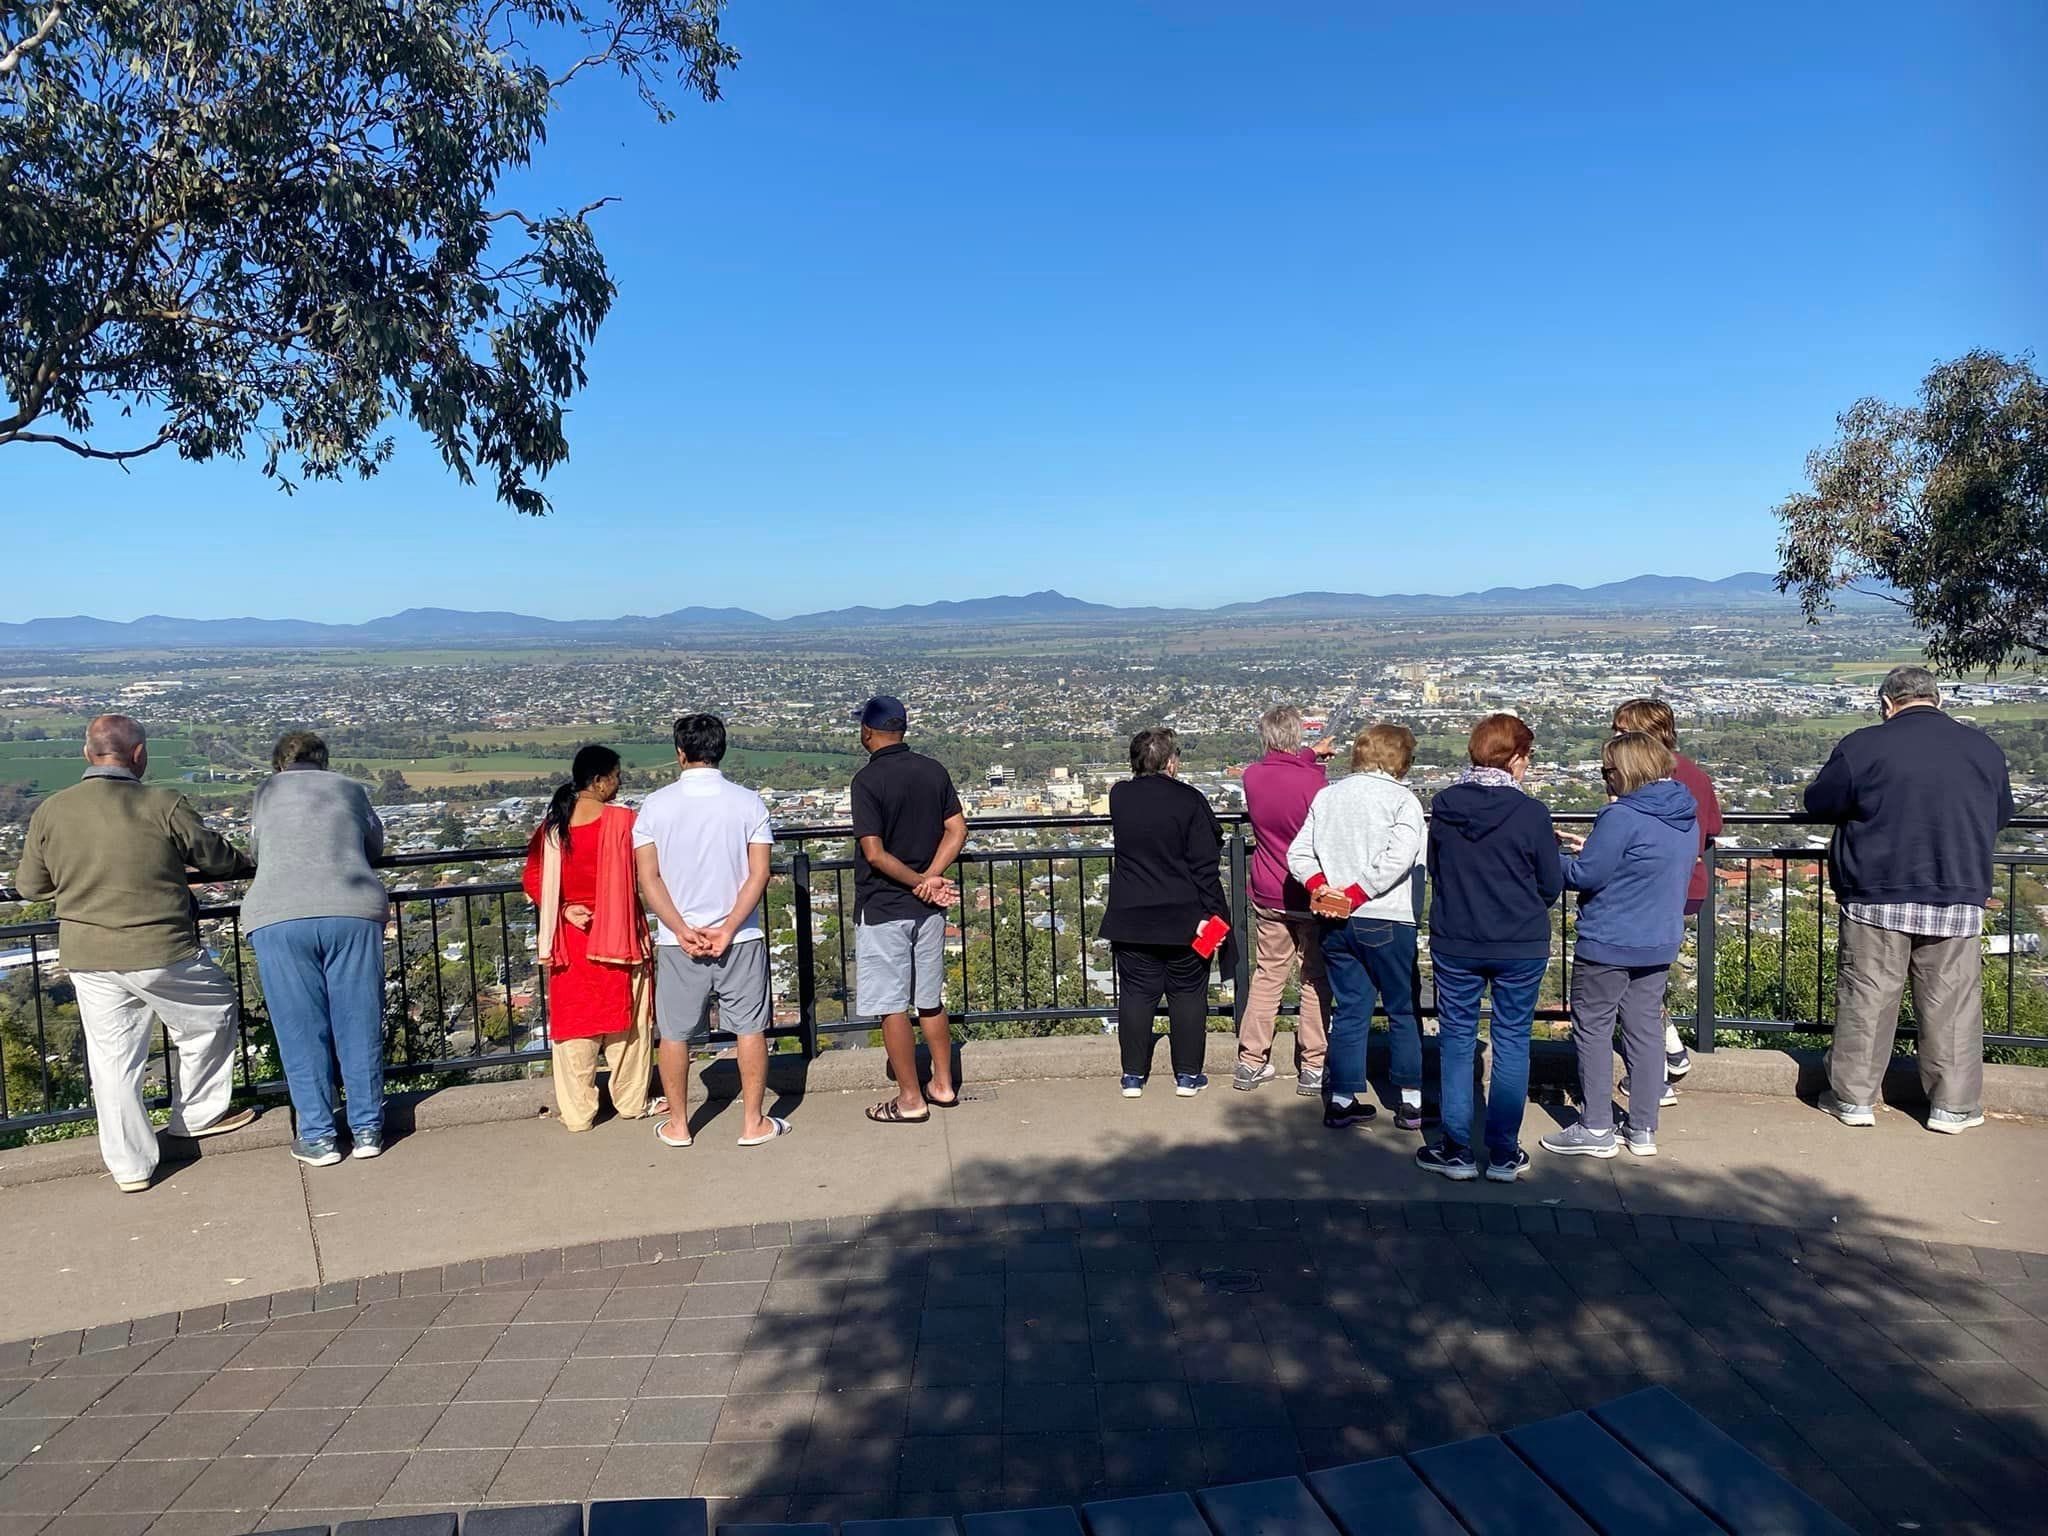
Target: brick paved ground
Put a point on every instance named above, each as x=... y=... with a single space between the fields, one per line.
x=960 y=1359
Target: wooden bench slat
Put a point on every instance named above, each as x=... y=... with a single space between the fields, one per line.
x=921 y=1525
x=1154 y=1514
x=1371 y=1497
x=650 y=1517
x=1493 y=1492
x=1057 y=1520
x=1605 y=1481
x=1746 y=1497
x=436 y=1524
x=1273 y=1506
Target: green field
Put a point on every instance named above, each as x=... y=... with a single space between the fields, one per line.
x=45 y=766
x=743 y=763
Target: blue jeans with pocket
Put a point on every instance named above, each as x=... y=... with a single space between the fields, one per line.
x=1369 y=958
x=1460 y=984
x=323 y=978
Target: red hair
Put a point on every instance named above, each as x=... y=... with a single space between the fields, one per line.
x=1498 y=739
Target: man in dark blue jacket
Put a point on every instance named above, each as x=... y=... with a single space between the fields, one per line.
x=1918 y=803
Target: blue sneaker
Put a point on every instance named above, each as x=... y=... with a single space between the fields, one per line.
x=322 y=1153
x=367 y=1143
x=1134 y=1086
x=1188 y=1084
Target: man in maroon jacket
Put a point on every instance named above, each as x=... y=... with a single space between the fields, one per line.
x=1277 y=790
x=1654 y=718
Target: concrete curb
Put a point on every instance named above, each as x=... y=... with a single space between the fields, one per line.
x=864 y=1069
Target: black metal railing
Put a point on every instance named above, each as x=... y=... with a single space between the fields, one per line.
x=464 y=994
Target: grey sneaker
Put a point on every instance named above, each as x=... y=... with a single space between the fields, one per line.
x=1247 y=1077
x=1953 y=1122
x=1677 y=1063
x=1308 y=1082
x=367 y=1143
x=1642 y=1143
x=1848 y=1114
x=1580 y=1140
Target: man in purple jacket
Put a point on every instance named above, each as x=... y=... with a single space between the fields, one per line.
x=1277 y=792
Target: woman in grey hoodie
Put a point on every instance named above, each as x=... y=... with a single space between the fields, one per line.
x=315 y=917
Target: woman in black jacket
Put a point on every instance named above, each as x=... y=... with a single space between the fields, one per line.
x=1163 y=887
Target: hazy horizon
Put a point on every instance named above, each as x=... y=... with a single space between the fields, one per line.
x=1202 y=304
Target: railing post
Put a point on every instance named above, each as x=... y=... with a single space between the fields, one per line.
x=1703 y=955
x=1240 y=923
x=806 y=951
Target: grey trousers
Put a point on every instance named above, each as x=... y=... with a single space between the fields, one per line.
x=1634 y=995
x=1872 y=969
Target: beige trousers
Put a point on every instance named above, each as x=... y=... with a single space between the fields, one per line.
x=1873 y=968
x=627 y=1054
x=1284 y=938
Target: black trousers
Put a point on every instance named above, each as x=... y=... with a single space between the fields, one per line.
x=1145 y=973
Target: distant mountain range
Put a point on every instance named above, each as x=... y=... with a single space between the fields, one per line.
x=451 y=626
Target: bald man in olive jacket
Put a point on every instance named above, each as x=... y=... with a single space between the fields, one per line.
x=115 y=853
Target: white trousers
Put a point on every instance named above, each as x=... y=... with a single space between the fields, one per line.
x=196 y=1001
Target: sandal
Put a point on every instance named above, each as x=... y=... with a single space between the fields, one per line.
x=661 y=1134
x=952 y=1103
x=889 y=1112
x=777 y=1127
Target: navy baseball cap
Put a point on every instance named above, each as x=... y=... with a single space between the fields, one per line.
x=883 y=713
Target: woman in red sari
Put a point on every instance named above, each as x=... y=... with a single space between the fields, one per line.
x=593 y=944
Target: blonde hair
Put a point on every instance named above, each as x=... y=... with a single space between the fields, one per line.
x=1652 y=717
x=1389 y=748
x=1633 y=759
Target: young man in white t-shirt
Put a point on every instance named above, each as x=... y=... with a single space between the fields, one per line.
x=701 y=847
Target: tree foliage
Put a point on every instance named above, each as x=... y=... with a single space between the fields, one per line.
x=278 y=224
x=1944 y=504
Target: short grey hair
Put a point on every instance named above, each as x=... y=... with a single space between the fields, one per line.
x=114 y=736
x=1909 y=685
x=1280 y=728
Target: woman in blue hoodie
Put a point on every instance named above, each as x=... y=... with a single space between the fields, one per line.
x=1631 y=874
x=1493 y=877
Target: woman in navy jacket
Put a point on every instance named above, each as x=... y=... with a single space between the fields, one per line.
x=1493 y=876
x=1164 y=886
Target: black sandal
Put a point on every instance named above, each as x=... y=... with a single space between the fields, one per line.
x=889 y=1112
x=952 y=1103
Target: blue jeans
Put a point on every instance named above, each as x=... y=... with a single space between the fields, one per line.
x=1368 y=958
x=324 y=980
x=1459 y=986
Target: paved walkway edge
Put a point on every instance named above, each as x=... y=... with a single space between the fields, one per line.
x=2008 y=1090
x=1192 y=1217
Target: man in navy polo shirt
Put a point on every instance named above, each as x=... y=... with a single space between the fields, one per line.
x=908 y=828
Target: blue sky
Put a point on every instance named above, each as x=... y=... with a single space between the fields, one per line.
x=1184 y=303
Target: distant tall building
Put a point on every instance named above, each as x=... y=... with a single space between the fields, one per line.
x=996 y=777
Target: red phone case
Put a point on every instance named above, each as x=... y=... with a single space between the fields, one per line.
x=1210 y=936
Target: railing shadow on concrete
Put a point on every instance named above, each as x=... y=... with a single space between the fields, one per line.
x=965 y=1361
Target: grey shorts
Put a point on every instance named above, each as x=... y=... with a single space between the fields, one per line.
x=901 y=965
x=686 y=986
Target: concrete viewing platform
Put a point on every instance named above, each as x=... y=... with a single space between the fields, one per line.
x=1048 y=1294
